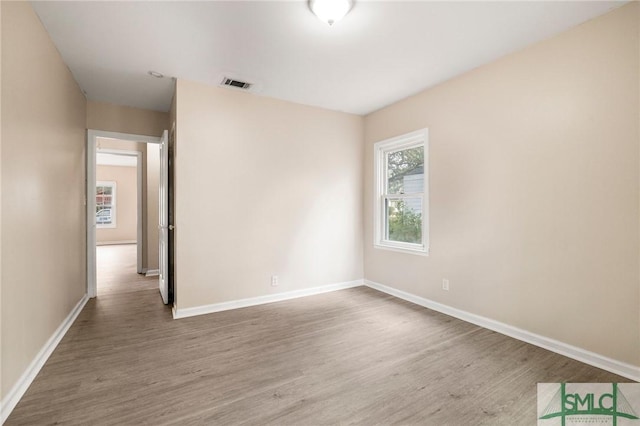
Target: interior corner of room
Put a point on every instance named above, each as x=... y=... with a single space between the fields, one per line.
x=531 y=207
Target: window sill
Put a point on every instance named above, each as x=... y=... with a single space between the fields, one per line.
x=419 y=252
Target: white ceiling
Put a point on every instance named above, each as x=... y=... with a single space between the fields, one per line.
x=381 y=52
x=103 y=159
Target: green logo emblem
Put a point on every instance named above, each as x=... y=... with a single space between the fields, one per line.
x=588 y=403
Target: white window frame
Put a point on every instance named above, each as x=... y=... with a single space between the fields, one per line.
x=112 y=184
x=381 y=149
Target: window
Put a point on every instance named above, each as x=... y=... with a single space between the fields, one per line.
x=401 y=193
x=106 y=204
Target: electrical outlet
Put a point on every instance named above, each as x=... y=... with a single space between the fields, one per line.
x=274 y=280
x=445 y=284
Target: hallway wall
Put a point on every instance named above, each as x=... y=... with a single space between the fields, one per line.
x=123 y=119
x=43 y=187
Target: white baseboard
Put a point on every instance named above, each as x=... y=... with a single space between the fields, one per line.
x=152 y=273
x=112 y=243
x=614 y=366
x=12 y=398
x=260 y=300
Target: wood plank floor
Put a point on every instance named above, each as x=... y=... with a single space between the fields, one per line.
x=354 y=356
x=116 y=270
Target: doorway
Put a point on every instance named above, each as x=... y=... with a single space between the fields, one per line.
x=120 y=217
x=104 y=212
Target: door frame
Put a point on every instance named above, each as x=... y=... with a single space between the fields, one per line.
x=90 y=202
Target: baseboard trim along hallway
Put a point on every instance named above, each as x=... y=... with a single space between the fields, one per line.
x=115 y=243
x=152 y=273
x=614 y=366
x=269 y=298
x=12 y=398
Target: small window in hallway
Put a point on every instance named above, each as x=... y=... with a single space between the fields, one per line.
x=105 y=204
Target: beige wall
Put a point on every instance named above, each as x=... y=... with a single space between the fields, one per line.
x=43 y=213
x=264 y=187
x=534 y=186
x=122 y=119
x=121 y=145
x=126 y=229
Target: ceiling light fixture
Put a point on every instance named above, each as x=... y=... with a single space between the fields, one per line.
x=155 y=74
x=330 y=11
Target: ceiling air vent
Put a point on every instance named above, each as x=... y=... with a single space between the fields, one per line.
x=236 y=83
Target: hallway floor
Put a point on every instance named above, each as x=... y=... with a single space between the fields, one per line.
x=116 y=270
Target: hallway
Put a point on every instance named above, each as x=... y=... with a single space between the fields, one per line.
x=110 y=356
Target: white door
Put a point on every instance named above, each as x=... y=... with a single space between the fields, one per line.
x=164 y=217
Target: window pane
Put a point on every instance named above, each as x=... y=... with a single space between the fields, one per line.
x=404 y=220
x=105 y=213
x=102 y=200
x=103 y=216
x=405 y=171
x=106 y=190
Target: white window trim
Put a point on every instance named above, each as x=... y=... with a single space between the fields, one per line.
x=113 y=204
x=409 y=140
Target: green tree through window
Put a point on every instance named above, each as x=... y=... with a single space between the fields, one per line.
x=404 y=224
